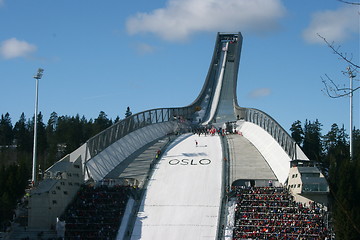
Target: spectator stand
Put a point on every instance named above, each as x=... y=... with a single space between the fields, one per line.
x=96 y=212
x=272 y=213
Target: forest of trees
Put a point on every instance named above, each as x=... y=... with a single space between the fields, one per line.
x=63 y=134
x=332 y=153
x=60 y=136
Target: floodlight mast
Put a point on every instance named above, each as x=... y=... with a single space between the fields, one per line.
x=37 y=77
x=351 y=76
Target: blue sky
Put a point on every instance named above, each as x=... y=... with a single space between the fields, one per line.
x=107 y=55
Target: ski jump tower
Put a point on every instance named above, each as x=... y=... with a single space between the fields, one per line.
x=217 y=100
x=216 y=104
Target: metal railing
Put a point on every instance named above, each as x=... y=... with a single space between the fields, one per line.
x=269 y=124
x=102 y=140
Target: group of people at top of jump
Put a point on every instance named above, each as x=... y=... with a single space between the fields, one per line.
x=271 y=213
x=211 y=131
x=96 y=212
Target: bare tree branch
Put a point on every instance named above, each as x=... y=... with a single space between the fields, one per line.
x=332 y=90
x=347 y=2
x=337 y=52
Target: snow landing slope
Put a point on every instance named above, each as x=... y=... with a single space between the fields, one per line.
x=184 y=194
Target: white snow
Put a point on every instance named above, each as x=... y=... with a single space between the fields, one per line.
x=125 y=220
x=184 y=194
x=273 y=153
x=216 y=97
x=199 y=115
x=230 y=219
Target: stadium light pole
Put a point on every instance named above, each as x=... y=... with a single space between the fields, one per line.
x=37 y=77
x=351 y=76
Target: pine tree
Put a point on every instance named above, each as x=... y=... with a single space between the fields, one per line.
x=128 y=113
x=117 y=119
x=356 y=144
x=41 y=135
x=343 y=177
x=6 y=130
x=312 y=145
x=22 y=135
x=86 y=128
x=51 y=128
x=101 y=122
x=297 y=132
x=335 y=147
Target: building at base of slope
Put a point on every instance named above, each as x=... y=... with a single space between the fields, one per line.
x=307 y=184
x=49 y=199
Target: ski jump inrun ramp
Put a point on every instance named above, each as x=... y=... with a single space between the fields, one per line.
x=183 y=196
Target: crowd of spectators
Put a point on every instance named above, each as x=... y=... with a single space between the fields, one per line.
x=271 y=213
x=96 y=212
x=211 y=131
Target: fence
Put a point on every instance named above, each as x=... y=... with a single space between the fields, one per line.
x=269 y=124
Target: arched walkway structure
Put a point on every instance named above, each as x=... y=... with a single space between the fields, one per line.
x=215 y=105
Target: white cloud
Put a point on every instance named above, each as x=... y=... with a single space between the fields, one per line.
x=337 y=25
x=181 y=18
x=260 y=92
x=13 y=48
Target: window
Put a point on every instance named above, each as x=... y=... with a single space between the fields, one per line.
x=65 y=193
x=311 y=175
x=54 y=202
x=299 y=185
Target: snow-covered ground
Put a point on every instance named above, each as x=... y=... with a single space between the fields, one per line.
x=216 y=97
x=184 y=195
x=125 y=220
